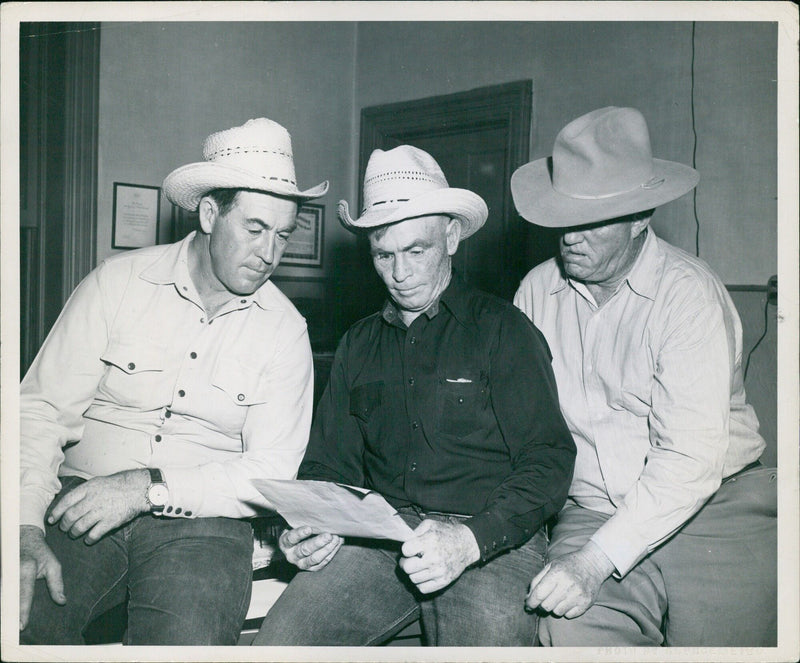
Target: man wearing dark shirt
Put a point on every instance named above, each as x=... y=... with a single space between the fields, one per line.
x=445 y=403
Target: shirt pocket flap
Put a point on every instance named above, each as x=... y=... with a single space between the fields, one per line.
x=242 y=384
x=365 y=399
x=133 y=355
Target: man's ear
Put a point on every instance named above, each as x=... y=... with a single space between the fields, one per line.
x=639 y=226
x=453 y=234
x=208 y=212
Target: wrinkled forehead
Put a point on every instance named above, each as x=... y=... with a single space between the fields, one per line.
x=430 y=228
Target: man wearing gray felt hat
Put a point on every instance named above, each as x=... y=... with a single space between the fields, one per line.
x=423 y=407
x=669 y=533
x=174 y=375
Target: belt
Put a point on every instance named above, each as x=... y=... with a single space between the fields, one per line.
x=746 y=468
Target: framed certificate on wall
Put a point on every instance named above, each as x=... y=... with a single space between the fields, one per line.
x=135 y=216
x=305 y=243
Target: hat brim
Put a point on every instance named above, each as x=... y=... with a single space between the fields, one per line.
x=185 y=186
x=468 y=207
x=538 y=202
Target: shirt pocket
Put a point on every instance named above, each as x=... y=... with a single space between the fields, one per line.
x=136 y=374
x=241 y=384
x=462 y=398
x=365 y=401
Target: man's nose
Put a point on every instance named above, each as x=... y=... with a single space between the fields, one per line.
x=265 y=249
x=400 y=270
x=572 y=237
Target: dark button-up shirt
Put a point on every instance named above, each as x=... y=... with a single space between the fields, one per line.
x=456 y=413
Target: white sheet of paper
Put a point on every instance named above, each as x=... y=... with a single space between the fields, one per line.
x=335 y=508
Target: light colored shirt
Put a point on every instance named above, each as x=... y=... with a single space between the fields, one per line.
x=134 y=374
x=650 y=384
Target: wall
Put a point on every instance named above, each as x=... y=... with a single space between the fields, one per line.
x=577 y=67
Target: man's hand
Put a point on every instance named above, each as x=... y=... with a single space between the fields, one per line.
x=307 y=549
x=568 y=585
x=438 y=554
x=36 y=560
x=102 y=504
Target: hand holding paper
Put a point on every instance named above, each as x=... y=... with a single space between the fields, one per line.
x=334 y=508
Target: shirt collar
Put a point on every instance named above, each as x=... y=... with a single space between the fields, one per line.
x=454 y=298
x=172 y=268
x=642 y=278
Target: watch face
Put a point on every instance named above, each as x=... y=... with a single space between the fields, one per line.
x=158 y=494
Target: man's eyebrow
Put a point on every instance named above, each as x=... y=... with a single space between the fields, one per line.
x=267 y=226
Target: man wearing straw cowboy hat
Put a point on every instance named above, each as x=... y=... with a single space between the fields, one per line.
x=174 y=375
x=423 y=407
x=669 y=532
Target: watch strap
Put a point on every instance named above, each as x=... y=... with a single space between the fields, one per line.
x=155 y=475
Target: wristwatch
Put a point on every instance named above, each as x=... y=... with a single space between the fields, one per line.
x=157 y=493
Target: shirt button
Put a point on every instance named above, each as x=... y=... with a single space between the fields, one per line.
x=413 y=467
x=460 y=399
x=168 y=414
x=193 y=355
x=240 y=397
x=414 y=425
x=131 y=366
x=243 y=301
x=202 y=320
x=158 y=438
x=181 y=393
x=413 y=340
x=411 y=381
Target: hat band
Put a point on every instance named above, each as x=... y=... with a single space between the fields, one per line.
x=384 y=202
x=228 y=151
x=652 y=183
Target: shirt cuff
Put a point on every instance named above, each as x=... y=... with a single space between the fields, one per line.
x=623 y=546
x=185 y=493
x=492 y=535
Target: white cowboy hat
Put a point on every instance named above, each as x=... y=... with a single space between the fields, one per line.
x=406 y=182
x=602 y=168
x=257 y=156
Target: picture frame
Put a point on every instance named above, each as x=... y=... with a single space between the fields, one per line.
x=135 y=215
x=305 y=243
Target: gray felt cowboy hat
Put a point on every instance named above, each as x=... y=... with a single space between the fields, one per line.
x=257 y=156
x=406 y=182
x=602 y=168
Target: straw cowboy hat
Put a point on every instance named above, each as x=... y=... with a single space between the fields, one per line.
x=257 y=155
x=602 y=168
x=406 y=182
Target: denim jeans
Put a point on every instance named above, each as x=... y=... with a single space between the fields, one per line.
x=713 y=584
x=362 y=597
x=186 y=581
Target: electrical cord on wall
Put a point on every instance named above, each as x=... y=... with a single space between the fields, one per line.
x=772 y=298
x=760 y=338
x=694 y=151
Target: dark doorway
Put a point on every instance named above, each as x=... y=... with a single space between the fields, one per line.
x=479 y=138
